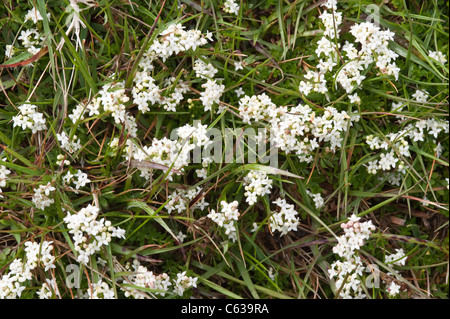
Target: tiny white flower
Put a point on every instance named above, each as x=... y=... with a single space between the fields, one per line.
x=239 y=92
x=238 y=66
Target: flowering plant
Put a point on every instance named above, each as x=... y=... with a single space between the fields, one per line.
x=224 y=148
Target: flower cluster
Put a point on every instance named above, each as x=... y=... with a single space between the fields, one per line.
x=146 y=92
x=317 y=198
x=256 y=108
x=110 y=99
x=370 y=48
x=48 y=289
x=12 y=284
x=90 y=234
x=394 y=146
x=164 y=152
x=80 y=179
x=169 y=153
x=32 y=40
x=421 y=96
x=230 y=6
x=4 y=173
x=203 y=70
x=300 y=130
x=169 y=42
x=41 y=195
x=194 y=135
x=397 y=259
x=297 y=129
x=100 y=290
x=286 y=219
x=184 y=282
x=34 y=15
x=374 y=48
x=172 y=41
x=227 y=218
x=203 y=173
x=179 y=200
x=347 y=271
x=211 y=95
x=355 y=234
x=29 y=117
x=256 y=183
x=61 y=160
x=40 y=253
x=68 y=145
x=438 y=56
x=142 y=277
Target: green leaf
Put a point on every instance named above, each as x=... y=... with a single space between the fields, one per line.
x=18 y=58
x=18 y=168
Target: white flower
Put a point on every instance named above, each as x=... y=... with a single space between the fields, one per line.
x=9 y=51
x=90 y=234
x=179 y=200
x=348 y=271
x=212 y=94
x=82 y=179
x=317 y=198
x=142 y=277
x=438 y=56
x=330 y=4
x=286 y=219
x=181 y=237
x=49 y=287
x=354 y=98
x=184 y=282
x=68 y=145
x=230 y=6
x=421 y=96
x=393 y=289
x=31 y=39
x=61 y=160
x=226 y=218
x=41 y=196
x=174 y=40
x=257 y=107
x=34 y=15
x=372 y=49
x=28 y=117
x=40 y=253
x=4 y=173
x=300 y=130
x=239 y=92
x=271 y=274
x=78 y=113
x=256 y=183
x=238 y=65
x=203 y=70
x=100 y=290
x=395 y=145
x=399 y=258
x=12 y=284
